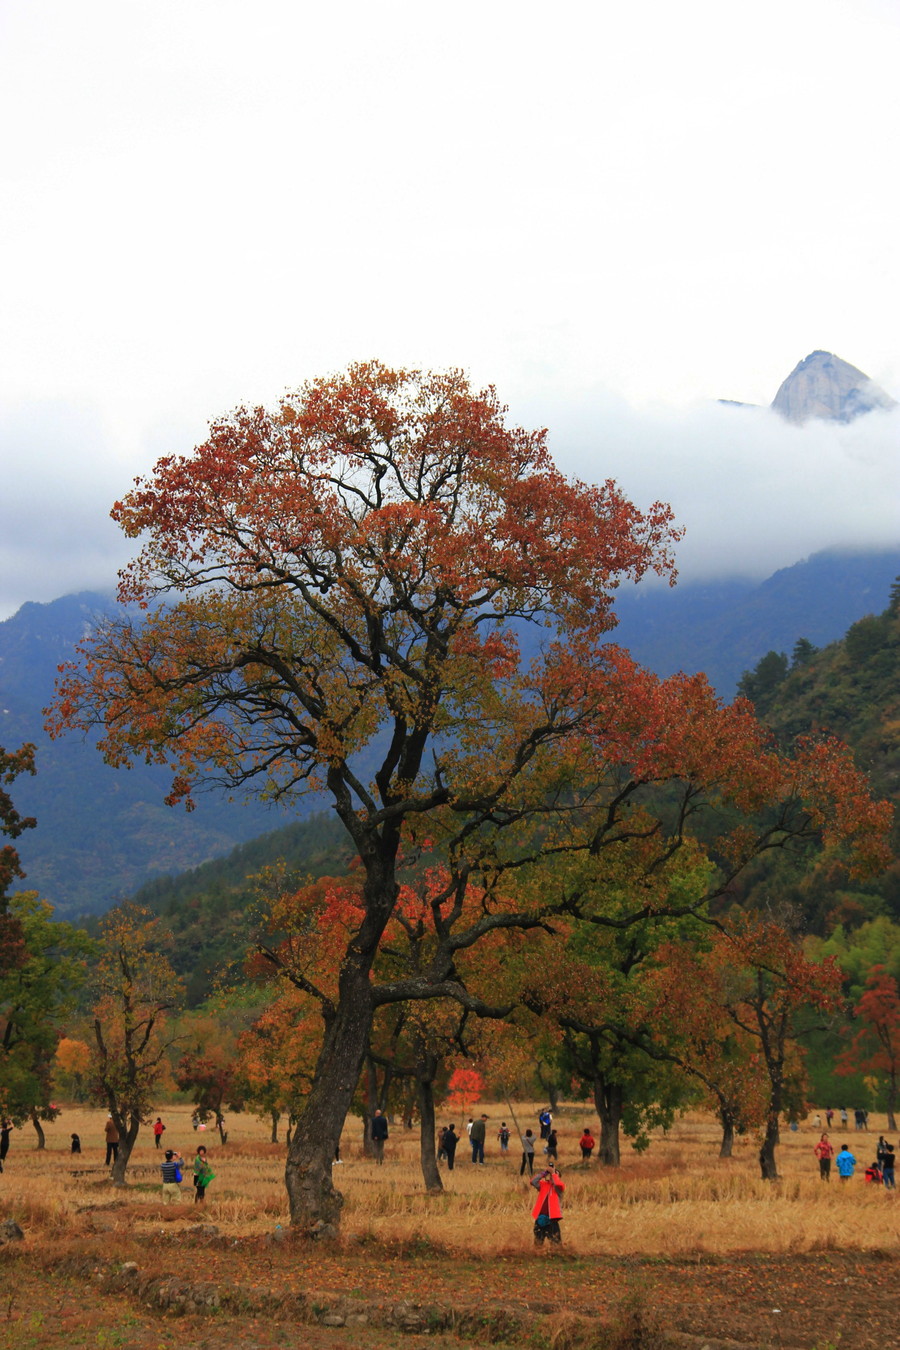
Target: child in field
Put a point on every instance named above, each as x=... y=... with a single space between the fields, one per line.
x=845 y=1163
x=587 y=1144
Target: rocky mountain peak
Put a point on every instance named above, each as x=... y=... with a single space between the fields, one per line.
x=823 y=385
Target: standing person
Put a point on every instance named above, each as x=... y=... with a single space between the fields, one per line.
x=829 y=1117
x=159 y=1130
x=503 y=1136
x=476 y=1138
x=552 y=1146
x=203 y=1174
x=845 y=1163
x=547 y=1210
x=441 y=1150
x=527 y=1154
x=587 y=1143
x=112 y=1141
x=545 y=1120
x=171 y=1176
x=887 y=1167
x=451 y=1139
x=824 y=1151
x=879 y=1149
x=469 y=1123
x=843 y=1117
x=379 y=1135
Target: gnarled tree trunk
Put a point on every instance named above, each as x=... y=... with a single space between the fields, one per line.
x=608 y=1101
x=39 y=1131
x=727 y=1121
x=315 y=1204
x=425 y=1076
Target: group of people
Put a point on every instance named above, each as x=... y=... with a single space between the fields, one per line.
x=880 y=1172
x=173 y=1174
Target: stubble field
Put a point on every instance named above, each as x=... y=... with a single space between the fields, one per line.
x=677 y=1247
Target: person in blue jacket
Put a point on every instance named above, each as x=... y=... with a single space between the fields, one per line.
x=845 y=1163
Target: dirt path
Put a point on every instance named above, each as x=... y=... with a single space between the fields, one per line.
x=272 y=1294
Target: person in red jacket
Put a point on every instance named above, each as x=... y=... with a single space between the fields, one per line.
x=824 y=1151
x=547 y=1210
x=587 y=1144
x=159 y=1130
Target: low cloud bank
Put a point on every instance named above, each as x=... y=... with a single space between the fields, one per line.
x=753 y=492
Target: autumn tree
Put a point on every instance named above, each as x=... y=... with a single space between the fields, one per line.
x=12 y=764
x=352 y=574
x=768 y=982
x=135 y=991
x=875 y=1048
x=36 y=997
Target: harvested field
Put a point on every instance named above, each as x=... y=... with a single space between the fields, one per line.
x=674 y=1246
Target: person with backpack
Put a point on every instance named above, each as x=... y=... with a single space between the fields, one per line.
x=503 y=1136
x=171 y=1176
x=547 y=1210
x=159 y=1130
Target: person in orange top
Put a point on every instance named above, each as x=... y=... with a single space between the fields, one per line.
x=824 y=1151
x=587 y=1144
x=547 y=1210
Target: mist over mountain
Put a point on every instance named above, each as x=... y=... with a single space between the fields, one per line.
x=825 y=386
x=102 y=833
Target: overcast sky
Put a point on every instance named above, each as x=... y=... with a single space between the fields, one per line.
x=617 y=213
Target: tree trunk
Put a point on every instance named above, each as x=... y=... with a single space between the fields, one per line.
x=220 y=1126
x=275 y=1116
x=727 y=1145
x=127 y=1140
x=431 y=1173
x=608 y=1101
x=892 y=1103
x=767 y=1163
x=315 y=1204
x=39 y=1130
x=371 y=1104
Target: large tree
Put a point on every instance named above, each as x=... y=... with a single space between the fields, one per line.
x=354 y=572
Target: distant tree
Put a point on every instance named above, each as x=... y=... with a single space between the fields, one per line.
x=876 y=1045
x=866 y=637
x=803 y=653
x=136 y=990
x=73 y=1063
x=761 y=684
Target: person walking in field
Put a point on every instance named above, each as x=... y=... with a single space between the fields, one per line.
x=451 y=1139
x=503 y=1136
x=824 y=1151
x=477 y=1137
x=379 y=1135
x=171 y=1177
x=547 y=1210
x=203 y=1175
x=159 y=1130
x=587 y=1143
x=887 y=1166
x=527 y=1153
x=111 y=1135
x=552 y=1146
x=845 y=1163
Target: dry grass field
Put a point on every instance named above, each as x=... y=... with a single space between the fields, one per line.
x=703 y=1243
